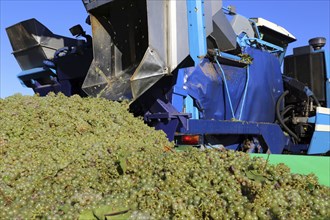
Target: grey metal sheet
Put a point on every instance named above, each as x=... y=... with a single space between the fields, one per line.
x=105 y=77
x=208 y=16
x=181 y=47
x=150 y=70
x=241 y=24
x=32 y=42
x=157 y=25
x=216 y=6
x=223 y=33
x=92 y=4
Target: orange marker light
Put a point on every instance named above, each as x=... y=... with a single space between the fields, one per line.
x=190 y=139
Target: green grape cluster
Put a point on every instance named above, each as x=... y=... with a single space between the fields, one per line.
x=87 y=158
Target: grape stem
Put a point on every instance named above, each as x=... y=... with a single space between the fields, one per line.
x=266 y=162
x=117 y=213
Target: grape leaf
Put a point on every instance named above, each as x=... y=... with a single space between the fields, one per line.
x=254 y=175
x=88 y=214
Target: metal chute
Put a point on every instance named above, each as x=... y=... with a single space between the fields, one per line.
x=133 y=53
x=150 y=70
x=105 y=77
x=32 y=43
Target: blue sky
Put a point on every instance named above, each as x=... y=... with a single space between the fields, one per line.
x=303 y=19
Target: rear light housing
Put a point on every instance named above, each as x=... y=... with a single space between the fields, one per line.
x=188 y=139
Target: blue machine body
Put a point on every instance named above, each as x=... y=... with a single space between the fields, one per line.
x=248 y=94
x=221 y=93
x=255 y=110
x=224 y=85
x=205 y=84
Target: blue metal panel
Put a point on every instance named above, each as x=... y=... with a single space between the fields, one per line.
x=177 y=102
x=180 y=98
x=196 y=28
x=320 y=143
x=178 y=92
x=36 y=73
x=312 y=119
x=189 y=107
x=271 y=133
x=162 y=115
x=321 y=138
x=322 y=119
x=168 y=126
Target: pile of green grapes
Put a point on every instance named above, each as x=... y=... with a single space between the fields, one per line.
x=88 y=158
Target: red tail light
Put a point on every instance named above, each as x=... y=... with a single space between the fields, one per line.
x=190 y=139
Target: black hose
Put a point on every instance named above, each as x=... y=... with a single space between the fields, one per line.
x=316 y=100
x=286 y=119
x=286 y=110
x=279 y=118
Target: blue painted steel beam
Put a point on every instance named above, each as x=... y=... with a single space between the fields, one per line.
x=265 y=43
x=271 y=133
x=197 y=43
x=196 y=29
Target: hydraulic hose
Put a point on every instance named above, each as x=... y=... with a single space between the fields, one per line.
x=286 y=110
x=226 y=87
x=279 y=118
x=316 y=100
x=286 y=119
x=227 y=90
x=310 y=93
x=245 y=91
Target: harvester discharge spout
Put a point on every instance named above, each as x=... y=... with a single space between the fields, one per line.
x=136 y=43
x=49 y=62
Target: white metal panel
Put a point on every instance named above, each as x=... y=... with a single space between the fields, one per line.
x=322 y=128
x=323 y=110
x=172 y=35
x=180 y=34
x=273 y=26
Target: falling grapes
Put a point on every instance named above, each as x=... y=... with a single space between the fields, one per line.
x=88 y=158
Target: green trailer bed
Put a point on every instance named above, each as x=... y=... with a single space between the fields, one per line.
x=301 y=164
x=319 y=165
